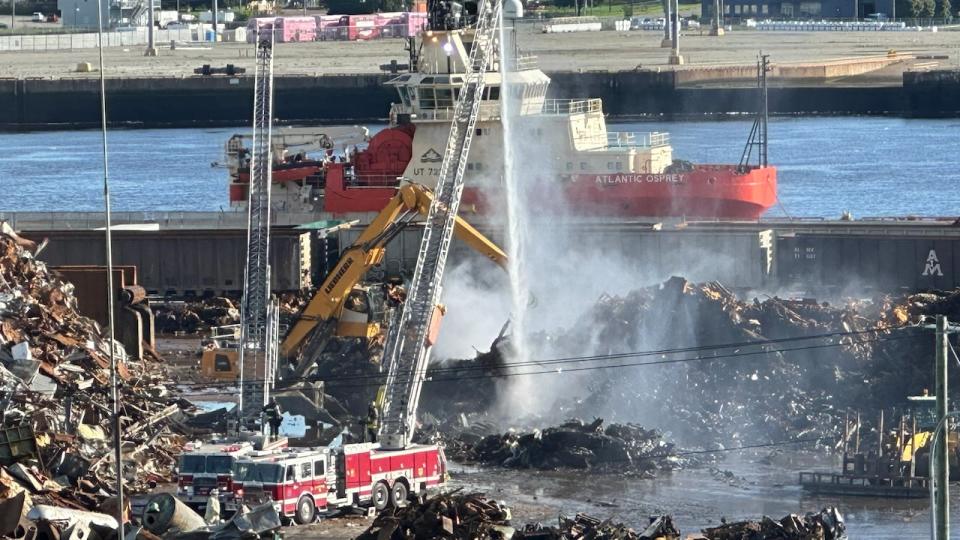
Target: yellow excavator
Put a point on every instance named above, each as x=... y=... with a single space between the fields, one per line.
x=342 y=306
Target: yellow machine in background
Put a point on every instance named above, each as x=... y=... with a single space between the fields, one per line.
x=342 y=306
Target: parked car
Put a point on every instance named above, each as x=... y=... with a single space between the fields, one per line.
x=176 y=26
x=37 y=17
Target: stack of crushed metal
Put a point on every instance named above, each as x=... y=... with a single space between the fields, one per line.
x=463 y=516
x=794 y=369
x=621 y=448
x=192 y=316
x=55 y=390
x=585 y=527
x=825 y=525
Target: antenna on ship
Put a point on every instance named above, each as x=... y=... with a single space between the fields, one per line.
x=758 y=133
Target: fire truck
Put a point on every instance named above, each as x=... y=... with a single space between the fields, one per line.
x=205 y=467
x=302 y=483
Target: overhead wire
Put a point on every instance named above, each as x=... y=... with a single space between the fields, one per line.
x=503 y=369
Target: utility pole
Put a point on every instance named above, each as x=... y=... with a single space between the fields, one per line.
x=675 y=58
x=717 y=29
x=214 y=20
x=941 y=459
x=667 y=21
x=151 y=25
x=13 y=14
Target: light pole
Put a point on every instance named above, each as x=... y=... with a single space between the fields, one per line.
x=76 y=13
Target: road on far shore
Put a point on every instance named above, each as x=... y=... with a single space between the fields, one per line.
x=606 y=50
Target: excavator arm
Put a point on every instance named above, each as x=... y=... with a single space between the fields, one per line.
x=368 y=251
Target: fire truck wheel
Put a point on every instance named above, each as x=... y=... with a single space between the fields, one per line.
x=380 y=496
x=399 y=494
x=306 y=511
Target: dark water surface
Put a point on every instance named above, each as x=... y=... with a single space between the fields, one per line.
x=696 y=499
x=870 y=166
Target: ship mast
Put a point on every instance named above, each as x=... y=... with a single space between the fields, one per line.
x=758 y=133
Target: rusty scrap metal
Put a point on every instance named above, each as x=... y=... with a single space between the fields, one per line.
x=824 y=525
x=458 y=516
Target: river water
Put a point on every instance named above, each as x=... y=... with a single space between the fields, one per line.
x=869 y=166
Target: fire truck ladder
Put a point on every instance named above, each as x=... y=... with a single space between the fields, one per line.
x=256 y=276
x=407 y=350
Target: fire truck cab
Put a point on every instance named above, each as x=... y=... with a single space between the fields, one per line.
x=205 y=467
x=303 y=483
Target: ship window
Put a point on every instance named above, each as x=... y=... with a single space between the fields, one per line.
x=619 y=166
x=427 y=100
x=411 y=94
x=444 y=98
x=442 y=79
x=469 y=166
x=569 y=166
x=609 y=165
x=583 y=165
x=456 y=93
x=478 y=166
x=426 y=80
x=404 y=97
x=494 y=93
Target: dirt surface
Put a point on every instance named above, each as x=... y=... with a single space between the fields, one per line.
x=606 y=50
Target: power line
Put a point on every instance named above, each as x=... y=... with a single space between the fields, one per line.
x=576 y=360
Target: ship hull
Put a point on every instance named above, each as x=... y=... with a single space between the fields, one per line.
x=704 y=191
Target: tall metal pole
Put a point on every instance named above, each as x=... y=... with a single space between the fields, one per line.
x=765 y=113
x=13 y=14
x=114 y=379
x=214 y=21
x=941 y=457
x=151 y=24
x=667 y=22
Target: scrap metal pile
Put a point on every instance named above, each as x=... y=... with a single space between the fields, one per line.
x=475 y=517
x=727 y=370
x=55 y=391
x=825 y=525
x=462 y=516
x=621 y=448
x=587 y=527
x=192 y=316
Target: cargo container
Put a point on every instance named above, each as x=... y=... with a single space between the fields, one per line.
x=295 y=29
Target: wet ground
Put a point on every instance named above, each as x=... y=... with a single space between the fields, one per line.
x=695 y=498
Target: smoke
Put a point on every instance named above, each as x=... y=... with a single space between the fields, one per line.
x=475 y=295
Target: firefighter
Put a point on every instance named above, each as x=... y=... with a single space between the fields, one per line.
x=373 y=422
x=274 y=418
x=212 y=516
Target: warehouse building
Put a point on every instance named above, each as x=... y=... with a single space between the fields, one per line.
x=799 y=9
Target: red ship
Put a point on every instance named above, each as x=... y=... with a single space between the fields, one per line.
x=562 y=145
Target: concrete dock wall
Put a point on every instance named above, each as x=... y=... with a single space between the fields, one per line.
x=216 y=100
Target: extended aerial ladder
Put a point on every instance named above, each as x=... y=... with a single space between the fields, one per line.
x=407 y=349
x=256 y=327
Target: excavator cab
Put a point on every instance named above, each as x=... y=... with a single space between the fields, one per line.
x=362 y=312
x=220 y=361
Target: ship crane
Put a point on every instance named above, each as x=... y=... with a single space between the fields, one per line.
x=257 y=317
x=407 y=348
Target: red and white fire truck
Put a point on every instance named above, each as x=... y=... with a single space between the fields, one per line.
x=304 y=482
x=205 y=467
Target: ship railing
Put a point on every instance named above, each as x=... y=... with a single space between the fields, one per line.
x=631 y=139
x=525 y=62
x=572 y=106
x=487 y=111
x=373 y=180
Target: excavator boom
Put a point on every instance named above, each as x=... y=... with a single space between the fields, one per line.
x=367 y=252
